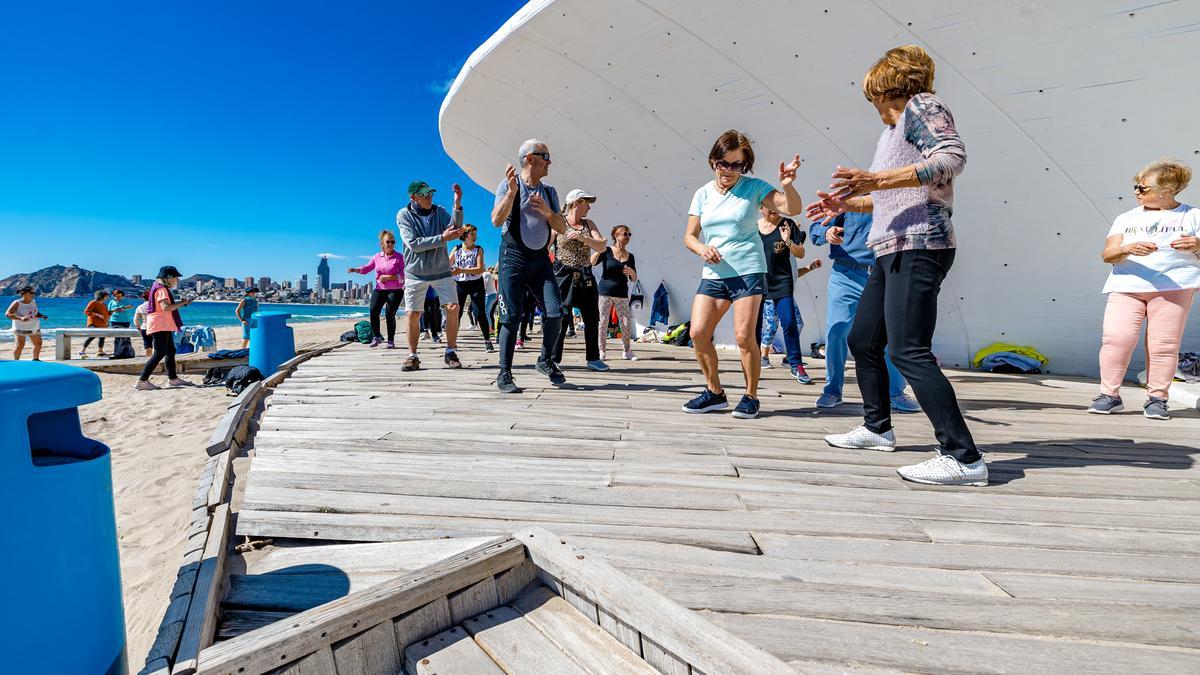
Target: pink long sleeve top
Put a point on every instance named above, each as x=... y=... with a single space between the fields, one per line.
x=386 y=264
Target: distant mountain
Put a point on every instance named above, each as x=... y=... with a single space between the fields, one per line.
x=66 y=282
x=191 y=281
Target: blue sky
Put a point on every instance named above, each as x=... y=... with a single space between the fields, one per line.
x=230 y=138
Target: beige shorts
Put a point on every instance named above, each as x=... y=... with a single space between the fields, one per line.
x=415 y=290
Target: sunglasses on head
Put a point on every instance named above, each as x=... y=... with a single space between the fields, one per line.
x=737 y=167
x=1142 y=189
x=544 y=155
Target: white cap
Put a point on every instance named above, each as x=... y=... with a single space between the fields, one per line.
x=577 y=194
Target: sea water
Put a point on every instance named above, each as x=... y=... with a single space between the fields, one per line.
x=68 y=313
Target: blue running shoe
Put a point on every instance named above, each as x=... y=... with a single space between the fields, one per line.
x=705 y=402
x=747 y=408
x=801 y=375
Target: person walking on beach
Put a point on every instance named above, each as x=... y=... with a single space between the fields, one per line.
x=425 y=228
x=139 y=322
x=162 y=321
x=388 y=266
x=573 y=252
x=466 y=262
x=245 y=311
x=722 y=229
x=1155 y=258
x=853 y=260
x=97 y=317
x=910 y=190
x=781 y=242
x=618 y=269
x=26 y=323
x=120 y=311
x=527 y=210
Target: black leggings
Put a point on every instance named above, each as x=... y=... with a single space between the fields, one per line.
x=431 y=318
x=89 y=341
x=164 y=347
x=392 y=298
x=473 y=288
x=898 y=310
x=587 y=301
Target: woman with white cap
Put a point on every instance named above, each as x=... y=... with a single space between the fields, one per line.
x=573 y=271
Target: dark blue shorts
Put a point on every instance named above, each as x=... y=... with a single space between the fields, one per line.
x=733 y=288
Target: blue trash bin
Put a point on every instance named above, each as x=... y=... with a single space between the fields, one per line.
x=60 y=570
x=271 y=341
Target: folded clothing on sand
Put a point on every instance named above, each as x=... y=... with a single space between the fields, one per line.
x=230 y=354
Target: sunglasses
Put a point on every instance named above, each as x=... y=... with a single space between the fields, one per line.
x=625 y=234
x=737 y=167
x=544 y=155
x=1141 y=189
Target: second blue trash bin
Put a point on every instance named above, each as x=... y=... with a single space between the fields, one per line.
x=271 y=342
x=62 y=577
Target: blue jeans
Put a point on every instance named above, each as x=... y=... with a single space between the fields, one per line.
x=845 y=289
x=782 y=312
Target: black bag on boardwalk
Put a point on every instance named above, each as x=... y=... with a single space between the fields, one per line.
x=215 y=375
x=240 y=377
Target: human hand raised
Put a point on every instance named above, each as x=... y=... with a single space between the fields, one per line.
x=825 y=208
x=510 y=174
x=850 y=182
x=457 y=190
x=451 y=233
x=787 y=173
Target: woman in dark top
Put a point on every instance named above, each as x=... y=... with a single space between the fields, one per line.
x=782 y=241
x=617 y=271
x=573 y=270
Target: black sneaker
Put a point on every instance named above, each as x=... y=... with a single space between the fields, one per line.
x=747 y=408
x=504 y=382
x=488 y=346
x=550 y=369
x=452 y=361
x=705 y=402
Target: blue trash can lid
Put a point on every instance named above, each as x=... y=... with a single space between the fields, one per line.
x=39 y=386
x=272 y=315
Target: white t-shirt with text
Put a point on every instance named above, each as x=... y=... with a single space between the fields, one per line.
x=1166 y=269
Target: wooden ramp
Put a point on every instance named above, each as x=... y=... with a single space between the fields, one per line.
x=1082 y=555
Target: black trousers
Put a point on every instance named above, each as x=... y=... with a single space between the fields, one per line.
x=898 y=310
x=473 y=288
x=432 y=316
x=585 y=298
x=392 y=298
x=164 y=348
x=525 y=272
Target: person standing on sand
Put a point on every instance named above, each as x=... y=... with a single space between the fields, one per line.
x=245 y=313
x=389 y=287
x=425 y=228
x=26 y=323
x=97 y=317
x=139 y=322
x=527 y=211
x=162 y=321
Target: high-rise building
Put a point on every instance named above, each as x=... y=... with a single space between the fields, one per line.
x=230 y=283
x=264 y=283
x=323 y=273
x=249 y=281
x=136 y=279
x=302 y=283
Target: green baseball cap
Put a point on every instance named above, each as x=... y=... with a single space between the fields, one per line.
x=420 y=187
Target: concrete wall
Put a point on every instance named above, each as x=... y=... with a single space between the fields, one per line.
x=1059 y=104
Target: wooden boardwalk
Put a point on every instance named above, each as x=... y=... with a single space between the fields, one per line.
x=1082 y=556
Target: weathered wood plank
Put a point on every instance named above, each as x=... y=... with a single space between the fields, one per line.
x=586 y=642
x=662 y=660
x=372 y=652
x=621 y=631
x=235 y=622
x=510 y=583
x=320 y=662
x=472 y=600
x=517 y=646
x=422 y=622
x=452 y=651
x=342 y=618
x=1048 y=587
x=398 y=557
x=200 y=627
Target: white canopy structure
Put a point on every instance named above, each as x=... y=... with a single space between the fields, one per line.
x=1059 y=103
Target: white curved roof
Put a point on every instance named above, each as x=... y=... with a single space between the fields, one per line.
x=1059 y=104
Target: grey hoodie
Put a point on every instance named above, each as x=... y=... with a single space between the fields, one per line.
x=425 y=256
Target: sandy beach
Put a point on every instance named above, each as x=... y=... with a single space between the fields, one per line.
x=157 y=440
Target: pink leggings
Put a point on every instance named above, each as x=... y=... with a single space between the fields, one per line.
x=1165 y=314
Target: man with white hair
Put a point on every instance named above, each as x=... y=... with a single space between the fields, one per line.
x=527 y=210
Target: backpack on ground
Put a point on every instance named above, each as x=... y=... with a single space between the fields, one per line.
x=349 y=336
x=364 y=332
x=215 y=375
x=240 y=377
x=122 y=349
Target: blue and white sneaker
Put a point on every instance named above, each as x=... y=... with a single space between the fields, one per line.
x=706 y=402
x=747 y=408
x=903 y=403
x=827 y=400
x=801 y=375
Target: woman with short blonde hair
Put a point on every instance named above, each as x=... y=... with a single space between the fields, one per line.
x=1155 y=274
x=909 y=189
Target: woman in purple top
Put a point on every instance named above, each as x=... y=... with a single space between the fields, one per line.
x=909 y=189
x=389 y=286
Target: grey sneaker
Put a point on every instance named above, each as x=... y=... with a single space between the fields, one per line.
x=504 y=382
x=1106 y=405
x=766 y=363
x=827 y=400
x=903 y=403
x=945 y=470
x=862 y=438
x=1156 y=409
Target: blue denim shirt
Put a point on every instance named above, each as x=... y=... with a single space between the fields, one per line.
x=854 y=244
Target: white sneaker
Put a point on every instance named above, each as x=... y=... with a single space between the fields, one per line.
x=630 y=356
x=945 y=470
x=862 y=438
x=145 y=386
x=603 y=354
